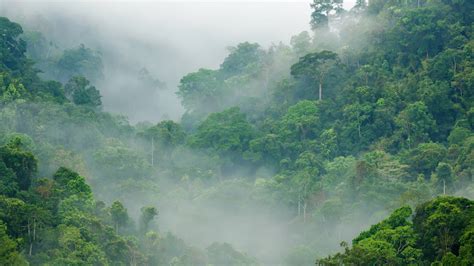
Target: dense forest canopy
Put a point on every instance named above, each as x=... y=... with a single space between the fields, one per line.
x=351 y=145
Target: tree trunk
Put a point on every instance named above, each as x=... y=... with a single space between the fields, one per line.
x=34 y=229
x=34 y=236
x=267 y=78
x=152 y=152
x=304 y=212
x=303 y=133
x=49 y=51
x=444 y=187
x=408 y=139
x=299 y=207
x=320 y=91
x=132 y=256
x=29 y=237
x=454 y=65
x=358 y=128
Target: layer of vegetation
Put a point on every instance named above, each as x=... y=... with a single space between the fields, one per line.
x=370 y=112
x=440 y=231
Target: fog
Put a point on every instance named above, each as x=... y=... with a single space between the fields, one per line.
x=234 y=210
x=168 y=38
x=252 y=158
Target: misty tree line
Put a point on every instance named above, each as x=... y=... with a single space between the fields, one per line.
x=371 y=112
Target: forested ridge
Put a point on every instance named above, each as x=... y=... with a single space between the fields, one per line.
x=352 y=145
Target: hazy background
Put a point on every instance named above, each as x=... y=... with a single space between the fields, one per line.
x=171 y=39
x=168 y=38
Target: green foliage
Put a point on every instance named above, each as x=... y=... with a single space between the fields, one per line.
x=120 y=162
x=322 y=9
x=77 y=90
x=75 y=250
x=147 y=215
x=416 y=124
x=200 y=90
x=301 y=43
x=21 y=162
x=70 y=183
x=394 y=128
x=119 y=215
x=440 y=227
x=425 y=158
x=12 y=48
x=321 y=67
x=397 y=219
x=80 y=61
x=56 y=225
x=162 y=139
x=224 y=132
x=247 y=74
x=300 y=122
x=9 y=254
x=8 y=183
x=444 y=176
x=166 y=134
x=244 y=58
x=441 y=224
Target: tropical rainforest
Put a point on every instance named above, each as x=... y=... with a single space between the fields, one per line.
x=351 y=145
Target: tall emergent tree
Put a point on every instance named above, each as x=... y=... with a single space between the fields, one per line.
x=148 y=214
x=119 y=215
x=12 y=48
x=78 y=90
x=321 y=11
x=316 y=66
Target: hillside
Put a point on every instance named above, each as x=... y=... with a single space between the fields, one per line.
x=283 y=152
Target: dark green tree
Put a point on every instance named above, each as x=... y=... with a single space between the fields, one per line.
x=440 y=224
x=244 y=58
x=224 y=132
x=80 y=61
x=322 y=9
x=119 y=215
x=77 y=89
x=22 y=162
x=148 y=213
x=9 y=254
x=319 y=67
x=201 y=91
x=12 y=48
